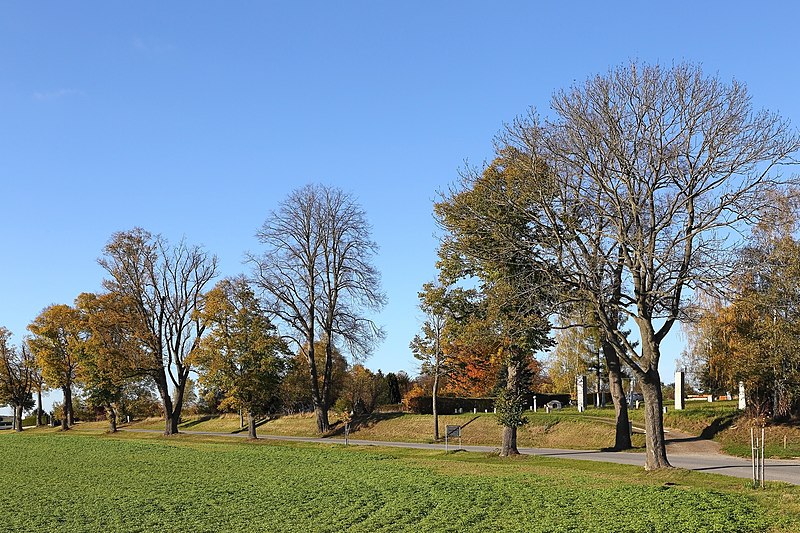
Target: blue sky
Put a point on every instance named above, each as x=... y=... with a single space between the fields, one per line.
x=195 y=119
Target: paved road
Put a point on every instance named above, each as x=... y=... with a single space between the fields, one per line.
x=774 y=470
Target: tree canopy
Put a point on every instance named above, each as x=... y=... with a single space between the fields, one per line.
x=242 y=355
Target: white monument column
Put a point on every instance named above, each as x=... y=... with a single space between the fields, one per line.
x=679 y=399
x=581 y=394
x=742 y=400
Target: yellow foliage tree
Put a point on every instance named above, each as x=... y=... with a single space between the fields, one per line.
x=57 y=344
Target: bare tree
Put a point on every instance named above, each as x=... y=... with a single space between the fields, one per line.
x=166 y=285
x=318 y=273
x=652 y=174
x=16 y=380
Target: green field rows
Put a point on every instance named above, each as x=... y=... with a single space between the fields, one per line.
x=63 y=482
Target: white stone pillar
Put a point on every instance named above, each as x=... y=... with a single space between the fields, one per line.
x=742 y=399
x=581 y=394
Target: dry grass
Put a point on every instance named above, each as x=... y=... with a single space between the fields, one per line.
x=543 y=430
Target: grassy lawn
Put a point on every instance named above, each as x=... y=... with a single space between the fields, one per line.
x=71 y=482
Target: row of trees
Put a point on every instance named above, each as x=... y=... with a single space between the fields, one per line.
x=751 y=333
x=613 y=211
x=159 y=319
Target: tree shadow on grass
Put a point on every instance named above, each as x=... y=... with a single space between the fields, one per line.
x=361 y=422
x=196 y=421
x=717 y=425
x=259 y=423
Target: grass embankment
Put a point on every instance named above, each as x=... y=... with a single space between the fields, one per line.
x=721 y=421
x=555 y=430
x=560 y=429
x=70 y=482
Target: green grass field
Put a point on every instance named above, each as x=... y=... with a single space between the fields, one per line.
x=73 y=482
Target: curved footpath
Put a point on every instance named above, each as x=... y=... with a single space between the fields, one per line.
x=774 y=469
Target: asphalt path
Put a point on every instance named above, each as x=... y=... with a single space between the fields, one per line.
x=774 y=469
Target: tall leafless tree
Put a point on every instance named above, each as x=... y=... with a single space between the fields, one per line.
x=16 y=376
x=653 y=172
x=318 y=274
x=166 y=284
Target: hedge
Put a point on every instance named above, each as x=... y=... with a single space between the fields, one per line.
x=449 y=404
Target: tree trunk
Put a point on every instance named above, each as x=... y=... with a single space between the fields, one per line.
x=433 y=403
x=18 y=418
x=654 y=422
x=175 y=415
x=39 y=410
x=509 y=446
x=67 y=419
x=251 y=425
x=160 y=378
x=70 y=406
x=321 y=412
x=622 y=439
x=317 y=395
x=112 y=419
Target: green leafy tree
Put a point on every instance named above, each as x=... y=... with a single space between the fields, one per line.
x=138 y=399
x=482 y=242
x=393 y=388
x=242 y=356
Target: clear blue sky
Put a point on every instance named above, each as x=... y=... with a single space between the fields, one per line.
x=196 y=118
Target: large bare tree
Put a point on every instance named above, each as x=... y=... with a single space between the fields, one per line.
x=653 y=173
x=165 y=284
x=16 y=376
x=317 y=273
